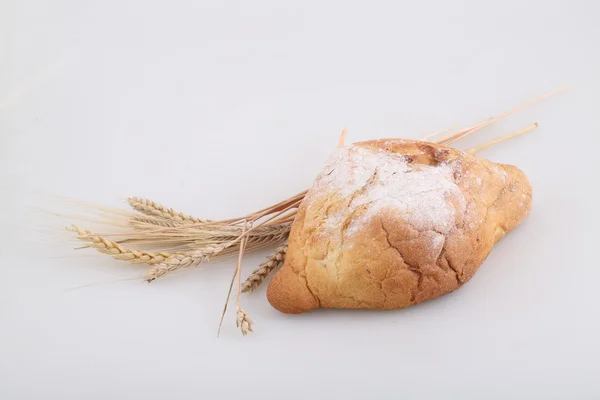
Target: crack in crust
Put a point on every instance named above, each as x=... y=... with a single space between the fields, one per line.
x=453 y=268
x=410 y=267
x=312 y=292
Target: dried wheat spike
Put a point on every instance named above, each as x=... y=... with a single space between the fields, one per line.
x=243 y=321
x=143 y=222
x=178 y=261
x=258 y=276
x=149 y=207
x=115 y=250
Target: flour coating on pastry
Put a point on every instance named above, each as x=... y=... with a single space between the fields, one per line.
x=374 y=179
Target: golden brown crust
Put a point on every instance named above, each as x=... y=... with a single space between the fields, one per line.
x=391 y=262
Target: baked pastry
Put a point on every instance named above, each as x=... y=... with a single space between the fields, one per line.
x=391 y=223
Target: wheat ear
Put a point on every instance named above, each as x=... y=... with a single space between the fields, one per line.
x=115 y=250
x=178 y=261
x=143 y=222
x=152 y=208
x=242 y=320
x=259 y=275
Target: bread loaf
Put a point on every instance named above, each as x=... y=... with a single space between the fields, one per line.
x=391 y=223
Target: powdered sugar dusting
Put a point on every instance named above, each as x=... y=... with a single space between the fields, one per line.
x=425 y=196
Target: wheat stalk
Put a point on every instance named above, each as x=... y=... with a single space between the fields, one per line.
x=522 y=131
x=242 y=319
x=205 y=244
x=190 y=239
x=258 y=276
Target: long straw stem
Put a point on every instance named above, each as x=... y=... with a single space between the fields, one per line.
x=522 y=131
x=235 y=273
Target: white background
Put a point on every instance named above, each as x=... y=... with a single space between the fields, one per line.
x=220 y=108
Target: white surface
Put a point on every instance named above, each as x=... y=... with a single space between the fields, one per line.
x=220 y=110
